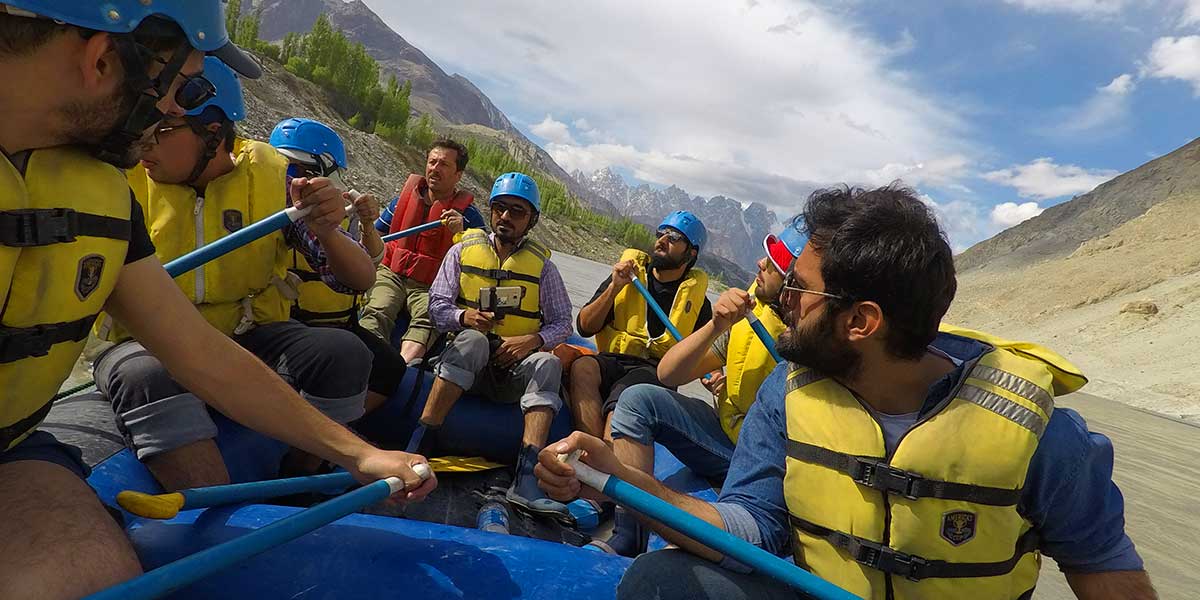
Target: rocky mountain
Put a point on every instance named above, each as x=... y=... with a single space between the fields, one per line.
x=451 y=99
x=1060 y=229
x=735 y=233
x=1110 y=279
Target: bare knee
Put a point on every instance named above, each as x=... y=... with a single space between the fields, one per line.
x=54 y=525
x=585 y=372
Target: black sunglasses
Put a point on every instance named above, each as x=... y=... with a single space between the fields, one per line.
x=194 y=92
x=516 y=211
x=672 y=234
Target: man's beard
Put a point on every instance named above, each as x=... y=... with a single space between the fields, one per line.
x=817 y=347
x=664 y=262
x=90 y=125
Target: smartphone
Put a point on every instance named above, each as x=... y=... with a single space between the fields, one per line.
x=499 y=300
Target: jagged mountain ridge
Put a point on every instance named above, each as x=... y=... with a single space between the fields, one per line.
x=452 y=100
x=734 y=233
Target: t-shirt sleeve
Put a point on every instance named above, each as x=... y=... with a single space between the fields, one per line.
x=720 y=346
x=140 y=245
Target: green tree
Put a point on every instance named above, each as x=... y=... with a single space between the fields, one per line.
x=422 y=134
x=233 y=12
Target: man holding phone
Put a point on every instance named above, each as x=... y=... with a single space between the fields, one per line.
x=505 y=303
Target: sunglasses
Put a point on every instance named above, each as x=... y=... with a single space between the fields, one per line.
x=194 y=92
x=515 y=211
x=672 y=234
x=790 y=293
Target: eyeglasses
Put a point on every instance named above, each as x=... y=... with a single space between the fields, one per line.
x=672 y=234
x=167 y=129
x=790 y=293
x=515 y=211
x=296 y=170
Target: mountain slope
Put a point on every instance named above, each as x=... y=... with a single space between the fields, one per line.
x=451 y=100
x=1060 y=229
x=1110 y=279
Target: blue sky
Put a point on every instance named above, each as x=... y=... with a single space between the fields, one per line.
x=992 y=109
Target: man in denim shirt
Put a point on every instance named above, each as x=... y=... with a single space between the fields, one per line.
x=877 y=273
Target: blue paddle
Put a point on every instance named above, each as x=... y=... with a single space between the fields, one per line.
x=172 y=576
x=241 y=237
x=412 y=231
x=166 y=506
x=718 y=539
x=662 y=316
x=763 y=336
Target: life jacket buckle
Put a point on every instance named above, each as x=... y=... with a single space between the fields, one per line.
x=38 y=226
x=880 y=475
x=17 y=343
x=887 y=559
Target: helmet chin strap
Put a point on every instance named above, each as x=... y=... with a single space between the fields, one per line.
x=212 y=142
x=114 y=147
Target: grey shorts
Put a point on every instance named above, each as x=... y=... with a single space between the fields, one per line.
x=43 y=446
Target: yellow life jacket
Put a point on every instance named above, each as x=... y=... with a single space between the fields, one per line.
x=938 y=518
x=747 y=365
x=316 y=302
x=628 y=334
x=247 y=286
x=481 y=268
x=64 y=233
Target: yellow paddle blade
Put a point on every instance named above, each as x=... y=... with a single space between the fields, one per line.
x=151 y=506
x=462 y=464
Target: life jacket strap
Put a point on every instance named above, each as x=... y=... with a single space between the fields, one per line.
x=501 y=274
x=44 y=226
x=877 y=474
x=910 y=566
x=12 y=432
x=306 y=276
x=17 y=343
x=305 y=316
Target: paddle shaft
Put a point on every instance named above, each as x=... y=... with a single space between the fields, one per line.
x=241 y=237
x=412 y=231
x=218 y=495
x=172 y=576
x=763 y=336
x=713 y=537
x=662 y=316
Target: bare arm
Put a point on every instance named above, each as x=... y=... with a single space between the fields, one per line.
x=692 y=357
x=558 y=479
x=1112 y=585
x=347 y=259
x=232 y=380
x=592 y=316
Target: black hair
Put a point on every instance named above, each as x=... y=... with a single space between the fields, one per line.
x=460 y=151
x=884 y=245
x=20 y=35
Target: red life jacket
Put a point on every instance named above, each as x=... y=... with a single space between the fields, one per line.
x=418 y=257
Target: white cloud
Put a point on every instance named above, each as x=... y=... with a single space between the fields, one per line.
x=1102 y=114
x=1191 y=13
x=1043 y=179
x=555 y=132
x=1087 y=8
x=698 y=94
x=1007 y=214
x=1175 y=58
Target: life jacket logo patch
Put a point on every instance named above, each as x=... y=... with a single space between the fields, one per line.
x=87 y=277
x=958 y=527
x=232 y=220
x=687 y=308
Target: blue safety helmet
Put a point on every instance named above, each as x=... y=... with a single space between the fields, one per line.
x=689 y=225
x=229 y=91
x=786 y=247
x=307 y=140
x=203 y=21
x=519 y=185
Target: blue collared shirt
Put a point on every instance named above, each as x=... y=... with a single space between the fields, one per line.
x=1069 y=494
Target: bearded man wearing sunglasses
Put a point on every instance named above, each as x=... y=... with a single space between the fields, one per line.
x=631 y=338
x=83 y=83
x=888 y=457
x=198 y=181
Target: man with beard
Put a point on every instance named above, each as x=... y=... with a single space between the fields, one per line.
x=410 y=264
x=73 y=242
x=699 y=436
x=890 y=459
x=631 y=338
x=503 y=357
x=197 y=183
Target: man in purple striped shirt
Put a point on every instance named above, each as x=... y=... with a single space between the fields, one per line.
x=505 y=358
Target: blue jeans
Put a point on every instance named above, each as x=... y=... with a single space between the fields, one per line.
x=687 y=426
x=677 y=574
